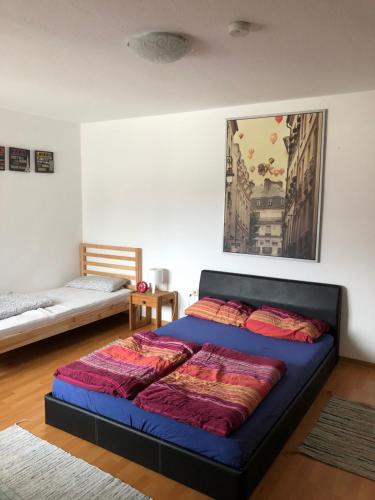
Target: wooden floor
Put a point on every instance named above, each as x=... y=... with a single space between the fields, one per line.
x=26 y=375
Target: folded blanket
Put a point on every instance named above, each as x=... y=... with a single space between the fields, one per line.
x=216 y=390
x=125 y=367
x=12 y=304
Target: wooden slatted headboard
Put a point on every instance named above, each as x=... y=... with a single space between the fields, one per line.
x=110 y=260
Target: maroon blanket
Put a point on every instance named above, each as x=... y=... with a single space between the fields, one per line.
x=125 y=367
x=216 y=389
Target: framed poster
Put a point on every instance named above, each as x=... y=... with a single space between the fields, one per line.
x=2 y=158
x=273 y=182
x=44 y=162
x=19 y=160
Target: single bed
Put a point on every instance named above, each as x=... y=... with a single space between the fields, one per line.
x=220 y=467
x=74 y=307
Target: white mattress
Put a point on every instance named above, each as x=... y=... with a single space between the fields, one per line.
x=67 y=302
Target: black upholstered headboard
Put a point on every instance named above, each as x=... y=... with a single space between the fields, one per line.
x=317 y=300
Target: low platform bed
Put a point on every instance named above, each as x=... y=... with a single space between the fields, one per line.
x=161 y=450
x=75 y=307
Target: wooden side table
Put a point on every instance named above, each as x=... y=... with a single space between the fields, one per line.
x=151 y=300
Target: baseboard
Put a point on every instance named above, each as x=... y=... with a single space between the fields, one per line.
x=358 y=361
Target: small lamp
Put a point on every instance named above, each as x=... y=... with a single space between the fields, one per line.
x=158 y=278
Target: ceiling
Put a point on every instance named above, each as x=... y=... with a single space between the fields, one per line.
x=67 y=59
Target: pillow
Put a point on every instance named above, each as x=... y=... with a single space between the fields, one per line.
x=321 y=325
x=100 y=283
x=234 y=313
x=280 y=323
x=205 y=308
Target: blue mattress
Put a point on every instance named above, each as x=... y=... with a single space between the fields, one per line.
x=301 y=360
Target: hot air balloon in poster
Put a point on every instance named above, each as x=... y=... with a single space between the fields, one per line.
x=262 y=169
x=278 y=119
x=273 y=137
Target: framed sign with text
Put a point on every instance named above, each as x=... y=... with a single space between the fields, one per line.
x=2 y=158
x=44 y=162
x=19 y=160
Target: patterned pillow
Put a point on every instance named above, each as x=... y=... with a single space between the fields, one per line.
x=100 y=283
x=205 y=308
x=321 y=325
x=279 y=323
x=234 y=313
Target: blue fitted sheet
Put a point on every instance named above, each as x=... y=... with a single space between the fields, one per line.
x=301 y=360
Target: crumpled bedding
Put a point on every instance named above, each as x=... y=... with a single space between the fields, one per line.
x=12 y=304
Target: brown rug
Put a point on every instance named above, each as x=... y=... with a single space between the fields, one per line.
x=344 y=436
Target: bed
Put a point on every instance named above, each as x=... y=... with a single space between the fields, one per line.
x=77 y=307
x=220 y=467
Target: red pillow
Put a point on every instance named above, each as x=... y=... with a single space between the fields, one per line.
x=280 y=323
x=234 y=313
x=205 y=308
x=321 y=325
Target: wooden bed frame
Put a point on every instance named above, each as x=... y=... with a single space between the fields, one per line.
x=206 y=475
x=97 y=260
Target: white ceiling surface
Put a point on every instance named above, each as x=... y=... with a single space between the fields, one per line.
x=67 y=59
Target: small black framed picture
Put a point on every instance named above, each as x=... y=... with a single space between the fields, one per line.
x=44 y=162
x=2 y=158
x=19 y=160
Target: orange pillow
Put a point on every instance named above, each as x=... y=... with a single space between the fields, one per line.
x=206 y=308
x=270 y=324
x=321 y=325
x=234 y=313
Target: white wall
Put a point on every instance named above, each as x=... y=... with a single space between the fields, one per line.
x=158 y=182
x=40 y=214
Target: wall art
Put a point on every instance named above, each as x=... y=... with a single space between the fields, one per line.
x=2 y=158
x=19 y=160
x=273 y=181
x=44 y=162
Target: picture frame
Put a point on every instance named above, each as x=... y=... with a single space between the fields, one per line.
x=44 y=162
x=273 y=184
x=19 y=159
x=2 y=157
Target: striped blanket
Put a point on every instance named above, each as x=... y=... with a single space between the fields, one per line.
x=125 y=367
x=217 y=389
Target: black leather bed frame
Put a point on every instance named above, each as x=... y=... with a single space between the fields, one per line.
x=208 y=476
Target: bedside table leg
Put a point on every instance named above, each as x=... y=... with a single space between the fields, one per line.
x=148 y=315
x=158 y=314
x=175 y=307
x=132 y=317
